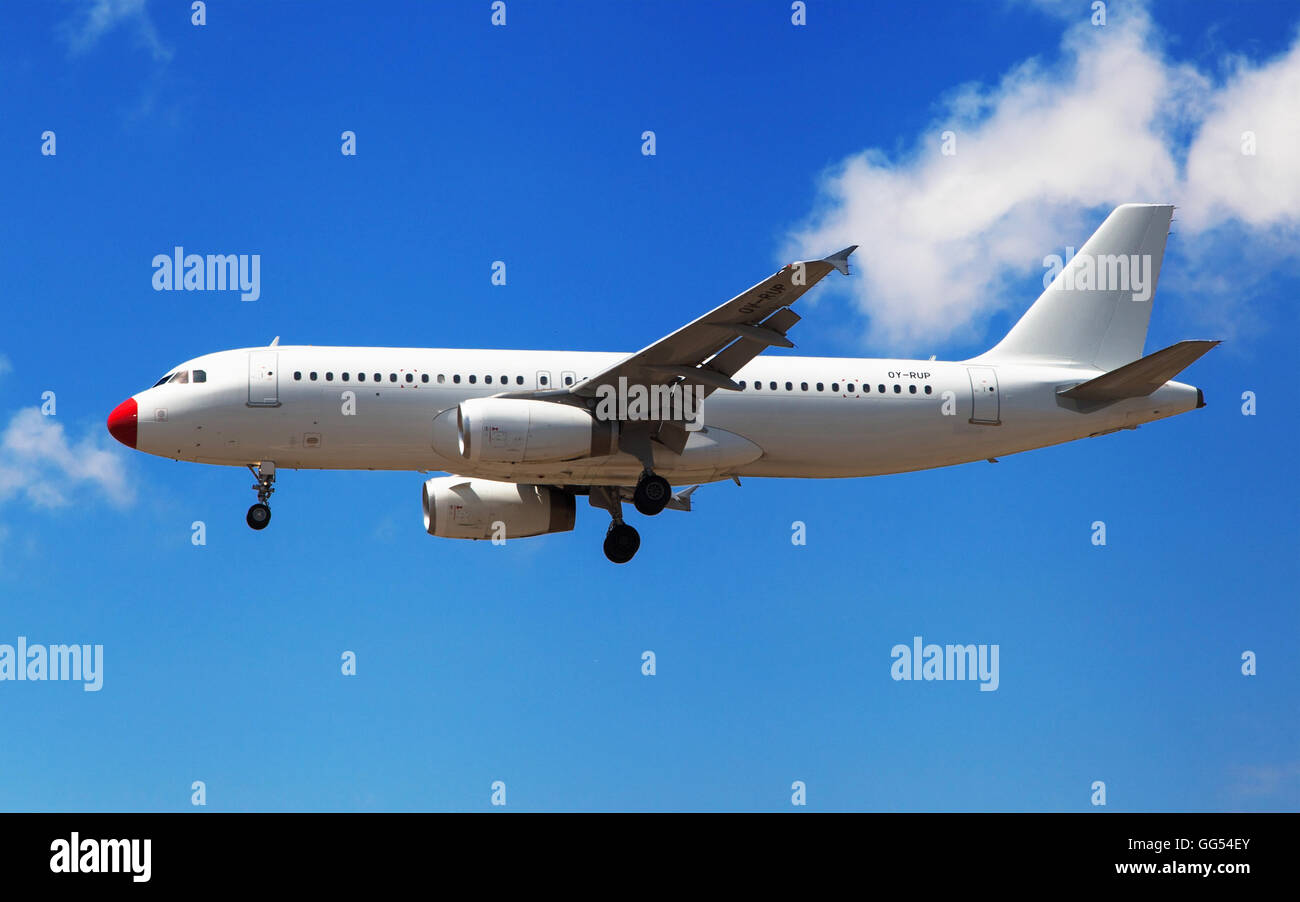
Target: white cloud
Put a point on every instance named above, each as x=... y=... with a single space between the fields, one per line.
x=1040 y=156
x=94 y=19
x=1260 y=190
x=40 y=466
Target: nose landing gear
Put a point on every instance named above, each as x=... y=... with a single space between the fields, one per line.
x=259 y=515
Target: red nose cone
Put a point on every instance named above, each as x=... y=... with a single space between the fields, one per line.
x=122 y=422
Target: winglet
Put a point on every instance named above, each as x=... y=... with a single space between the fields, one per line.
x=841 y=260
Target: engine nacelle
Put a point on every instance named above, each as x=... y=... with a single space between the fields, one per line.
x=460 y=508
x=520 y=430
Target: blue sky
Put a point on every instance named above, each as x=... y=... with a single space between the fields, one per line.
x=523 y=664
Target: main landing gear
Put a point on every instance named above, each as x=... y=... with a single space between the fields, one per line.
x=259 y=515
x=652 y=494
x=621 y=540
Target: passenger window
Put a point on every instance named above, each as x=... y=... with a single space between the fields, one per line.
x=821 y=386
x=568 y=380
x=329 y=377
x=866 y=388
x=789 y=386
x=441 y=378
x=898 y=389
x=473 y=379
x=911 y=389
x=835 y=386
x=361 y=377
x=346 y=377
x=850 y=388
x=312 y=376
x=927 y=389
x=392 y=377
x=543 y=380
x=379 y=377
x=742 y=384
x=200 y=375
x=487 y=380
x=410 y=377
x=424 y=377
x=505 y=380
x=803 y=386
x=758 y=386
x=456 y=378
x=880 y=388
x=297 y=376
x=519 y=380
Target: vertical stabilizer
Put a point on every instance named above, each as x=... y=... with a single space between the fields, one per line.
x=1097 y=309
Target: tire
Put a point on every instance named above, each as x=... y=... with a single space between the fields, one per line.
x=652 y=494
x=621 y=543
x=259 y=515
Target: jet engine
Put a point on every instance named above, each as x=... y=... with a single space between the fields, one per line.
x=459 y=508
x=521 y=430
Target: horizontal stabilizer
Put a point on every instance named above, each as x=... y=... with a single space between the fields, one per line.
x=1141 y=377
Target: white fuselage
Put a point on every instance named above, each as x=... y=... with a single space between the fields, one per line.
x=262 y=404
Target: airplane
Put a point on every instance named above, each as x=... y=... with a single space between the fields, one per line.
x=523 y=433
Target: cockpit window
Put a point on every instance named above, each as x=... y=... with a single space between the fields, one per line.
x=163 y=379
x=181 y=377
x=200 y=375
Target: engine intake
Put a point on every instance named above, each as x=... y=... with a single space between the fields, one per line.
x=460 y=508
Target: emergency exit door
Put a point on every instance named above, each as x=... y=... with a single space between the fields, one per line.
x=985 y=403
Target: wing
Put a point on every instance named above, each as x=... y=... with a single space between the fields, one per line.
x=706 y=352
x=710 y=350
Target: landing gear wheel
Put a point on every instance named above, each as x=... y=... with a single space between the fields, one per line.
x=260 y=513
x=652 y=494
x=621 y=543
x=258 y=516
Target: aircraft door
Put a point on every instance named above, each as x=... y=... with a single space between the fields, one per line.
x=263 y=379
x=986 y=405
